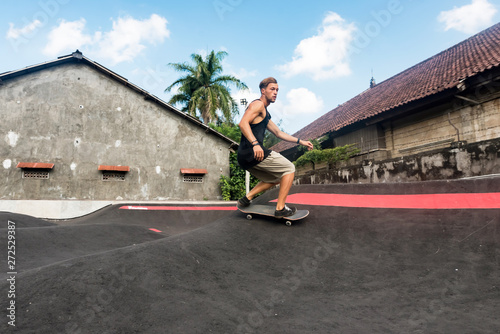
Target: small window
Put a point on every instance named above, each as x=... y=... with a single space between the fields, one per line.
x=193 y=179
x=193 y=175
x=35 y=174
x=35 y=170
x=113 y=176
x=113 y=173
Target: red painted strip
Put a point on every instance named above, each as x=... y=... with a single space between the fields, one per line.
x=178 y=208
x=155 y=230
x=421 y=201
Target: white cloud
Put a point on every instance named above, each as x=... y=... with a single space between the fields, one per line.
x=324 y=55
x=302 y=101
x=123 y=42
x=126 y=40
x=68 y=36
x=298 y=104
x=243 y=73
x=469 y=18
x=14 y=33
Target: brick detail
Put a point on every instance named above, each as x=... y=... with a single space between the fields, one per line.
x=114 y=168
x=191 y=171
x=35 y=165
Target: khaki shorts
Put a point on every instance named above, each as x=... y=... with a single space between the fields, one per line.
x=272 y=168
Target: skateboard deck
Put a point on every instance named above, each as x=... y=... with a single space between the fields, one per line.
x=268 y=210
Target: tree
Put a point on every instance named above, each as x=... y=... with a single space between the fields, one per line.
x=231 y=131
x=204 y=90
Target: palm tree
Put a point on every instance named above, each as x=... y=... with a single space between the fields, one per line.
x=204 y=90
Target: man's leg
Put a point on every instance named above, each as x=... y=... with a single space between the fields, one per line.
x=285 y=185
x=260 y=187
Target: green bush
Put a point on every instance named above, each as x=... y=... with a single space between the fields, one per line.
x=330 y=155
x=233 y=187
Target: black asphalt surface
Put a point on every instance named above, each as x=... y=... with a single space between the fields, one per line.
x=341 y=270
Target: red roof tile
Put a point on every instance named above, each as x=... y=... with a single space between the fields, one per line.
x=434 y=75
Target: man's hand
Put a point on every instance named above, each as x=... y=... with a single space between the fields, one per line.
x=307 y=144
x=258 y=153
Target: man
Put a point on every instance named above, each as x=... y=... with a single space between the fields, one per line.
x=270 y=167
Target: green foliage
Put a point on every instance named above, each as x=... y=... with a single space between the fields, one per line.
x=330 y=155
x=316 y=146
x=229 y=130
x=233 y=187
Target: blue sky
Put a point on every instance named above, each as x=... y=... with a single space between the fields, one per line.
x=322 y=52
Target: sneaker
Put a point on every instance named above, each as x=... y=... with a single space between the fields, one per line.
x=285 y=212
x=244 y=202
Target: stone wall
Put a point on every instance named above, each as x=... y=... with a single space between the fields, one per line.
x=460 y=161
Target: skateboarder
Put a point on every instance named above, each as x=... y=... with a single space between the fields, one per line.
x=270 y=167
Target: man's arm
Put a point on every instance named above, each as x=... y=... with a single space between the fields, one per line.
x=273 y=128
x=254 y=110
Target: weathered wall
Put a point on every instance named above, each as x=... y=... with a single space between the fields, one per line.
x=476 y=159
x=421 y=133
x=78 y=118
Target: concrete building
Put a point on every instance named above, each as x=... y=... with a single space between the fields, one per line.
x=435 y=120
x=74 y=130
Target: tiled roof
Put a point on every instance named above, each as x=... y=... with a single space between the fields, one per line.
x=434 y=75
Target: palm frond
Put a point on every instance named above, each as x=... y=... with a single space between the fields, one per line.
x=204 y=91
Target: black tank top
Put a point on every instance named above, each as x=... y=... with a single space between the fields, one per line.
x=246 y=157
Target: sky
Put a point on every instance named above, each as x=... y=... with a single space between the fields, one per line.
x=322 y=52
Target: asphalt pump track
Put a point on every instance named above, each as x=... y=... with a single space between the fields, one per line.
x=350 y=267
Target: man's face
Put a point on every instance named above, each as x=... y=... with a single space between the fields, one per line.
x=271 y=92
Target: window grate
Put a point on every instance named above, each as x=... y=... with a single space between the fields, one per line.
x=35 y=174
x=193 y=179
x=113 y=176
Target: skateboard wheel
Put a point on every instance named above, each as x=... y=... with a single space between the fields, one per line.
x=249 y=217
x=288 y=223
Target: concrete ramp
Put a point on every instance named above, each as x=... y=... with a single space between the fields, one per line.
x=341 y=270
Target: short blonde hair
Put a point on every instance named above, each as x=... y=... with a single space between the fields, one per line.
x=264 y=83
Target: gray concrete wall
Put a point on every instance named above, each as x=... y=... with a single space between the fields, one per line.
x=78 y=118
x=477 y=159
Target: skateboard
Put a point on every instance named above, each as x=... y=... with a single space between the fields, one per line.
x=268 y=210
